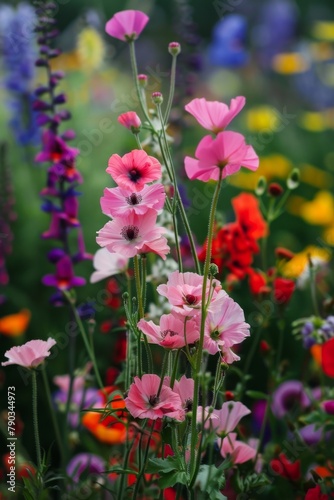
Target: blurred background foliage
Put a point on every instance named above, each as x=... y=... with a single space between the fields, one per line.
x=289 y=119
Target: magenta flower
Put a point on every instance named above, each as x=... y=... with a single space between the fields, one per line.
x=134 y=234
x=134 y=169
x=107 y=264
x=214 y=115
x=225 y=326
x=118 y=201
x=184 y=292
x=55 y=149
x=227 y=152
x=31 y=354
x=238 y=451
x=64 y=278
x=143 y=400
x=130 y=120
x=171 y=332
x=127 y=25
x=289 y=395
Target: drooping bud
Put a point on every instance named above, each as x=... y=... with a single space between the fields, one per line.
x=213 y=269
x=293 y=179
x=261 y=186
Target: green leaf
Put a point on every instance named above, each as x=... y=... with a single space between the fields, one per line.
x=172 y=478
x=211 y=480
x=257 y=395
x=163 y=466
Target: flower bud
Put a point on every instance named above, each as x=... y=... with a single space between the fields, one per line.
x=157 y=98
x=131 y=121
x=275 y=190
x=229 y=396
x=142 y=80
x=213 y=270
x=283 y=253
x=264 y=347
x=293 y=179
x=261 y=186
x=174 y=48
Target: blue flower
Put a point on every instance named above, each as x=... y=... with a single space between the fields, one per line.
x=228 y=42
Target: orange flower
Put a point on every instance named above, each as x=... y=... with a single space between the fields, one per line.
x=14 y=325
x=108 y=429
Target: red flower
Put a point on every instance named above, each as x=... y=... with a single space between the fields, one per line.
x=285 y=468
x=315 y=494
x=327 y=358
x=283 y=290
x=249 y=217
x=257 y=282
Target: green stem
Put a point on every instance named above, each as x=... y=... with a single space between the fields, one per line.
x=138 y=287
x=175 y=368
x=177 y=243
x=35 y=420
x=194 y=434
x=171 y=89
x=52 y=412
x=135 y=76
x=90 y=352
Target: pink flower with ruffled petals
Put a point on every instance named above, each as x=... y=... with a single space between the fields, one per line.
x=145 y=401
x=133 y=170
x=227 y=418
x=134 y=234
x=225 y=326
x=130 y=120
x=227 y=152
x=107 y=264
x=238 y=451
x=185 y=389
x=184 y=292
x=214 y=115
x=127 y=24
x=30 y=354
x=171 y=332
x=118 y=201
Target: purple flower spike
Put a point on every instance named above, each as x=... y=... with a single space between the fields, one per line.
x=85 y=463
x=64 y=278
x=289 y=396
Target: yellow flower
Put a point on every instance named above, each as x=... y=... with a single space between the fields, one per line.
x=298 y=266
x=262 y=118
x=313 y=121
x=90 y=49
x=319 y=211
x=290 y=63
x=324 y=30
x=14 y=325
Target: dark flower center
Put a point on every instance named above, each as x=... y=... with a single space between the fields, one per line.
x=291 y=400
x=134 y=175
x=191 y=299
x=188 y=405
x=130 y=233
x=215 y=335
x=153 y=400
x=134 y=199
x=168 y=332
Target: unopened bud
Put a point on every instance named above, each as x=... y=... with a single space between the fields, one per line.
x=213 y=269
x=275 y=190
x=142 y=80
x=224 y=366
x=284 y=253
x=229 y=396
x=261 y=186
x=264 y=347
x=157 y=98
x=174 y=48
x=293 y=180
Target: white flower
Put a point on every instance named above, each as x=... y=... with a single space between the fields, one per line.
x=107 y=264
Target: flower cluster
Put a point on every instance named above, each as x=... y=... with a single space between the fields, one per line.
x=60 y=194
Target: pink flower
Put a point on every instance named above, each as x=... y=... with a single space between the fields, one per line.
x=184 y=292
x=170 y=332
x=214 y=115
x=228 y=151
x=238 y=451
x=107 y=264
x=118 y=201
x=225 y=326
x=30 y=354
x=143 y=400
x=127 y=24
x=227 y=418
x=134 y=234
x=130 y=120
x=185 y=389
x=134 y=169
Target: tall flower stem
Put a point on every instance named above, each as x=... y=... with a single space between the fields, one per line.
x=138 y=287
x=171 y=89
x=135 y=77
x=194 y=434
x=52 y=412
x=35 y=420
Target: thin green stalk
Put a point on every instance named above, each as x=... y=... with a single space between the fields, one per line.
x=171 y=89
x=143 y=261
x=177 y=243
x=135 y=76
x=175 y=368
x=35 y=420
x=194 y=434
x=142 y=470
x=90 y=353
x=52 y=412
x=138 y=141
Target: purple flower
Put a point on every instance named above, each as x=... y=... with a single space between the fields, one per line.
x=289 y=396
x=64 y=278
x=85 y=464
